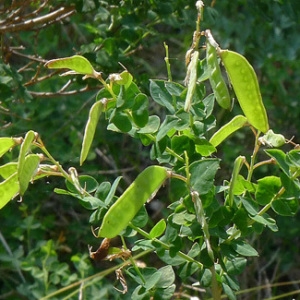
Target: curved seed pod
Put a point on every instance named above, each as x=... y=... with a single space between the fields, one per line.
x=216 y=79
x=76 y=63
x=8 y=189
x=229 y=128
x=90 y=128
x=6 y=143
x=191 y=80
x=238 y=163
x=136 y=195
x=245 y=85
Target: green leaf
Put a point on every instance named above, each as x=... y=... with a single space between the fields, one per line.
x=225 y=131
x=167 y=277
x=141 y=218
x=140 y=293
x=158 y=229
x=243 y=248
x=181 y=143
x=251 y=206
x=171 y=260
x=187 y=269
x=103 y=190
x=293 y=158
x=112 y=191
x=160 y=94
x=194 y=251
x=77 y=63
x=146 y=272
x=152 y=280
x=266 y=220
x=121 y=120
x=167 y=125
x=165 y=293
x=267 y=188
x=236 y=265
x=174 y=88
x=203 y=147
x=291 y=185
x=8 y=189
x=285 y=207
x=88 y=183
x=140 y=112
x=28 y=171
x=209 y=104
x=280 y=158
x=6 y=143
x=228 y=291
x=205 y=278
x=152 y=125
x=143 y=245
x=232 y=283
x=90 y=129
x=241 y=220
x=126 y=96
x=202 y=174
x=125 y=79
x=158 y=148
x=91 y=203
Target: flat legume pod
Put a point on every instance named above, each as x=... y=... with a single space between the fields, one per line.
x=136 y=195
x=246 y=88
x=236 y=123
x=216 y=79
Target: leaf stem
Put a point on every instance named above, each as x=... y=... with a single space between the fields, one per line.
x=164 y=245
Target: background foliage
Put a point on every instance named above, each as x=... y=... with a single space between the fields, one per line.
x=47 y=230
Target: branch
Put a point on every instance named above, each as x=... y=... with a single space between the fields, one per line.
x=58 y=14
x=59 y=93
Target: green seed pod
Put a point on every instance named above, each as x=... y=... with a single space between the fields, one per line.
x=76 y=63
x=191 y=80
x=130 y=202
x=246 y=88
x=216 y=79
x=236 y=123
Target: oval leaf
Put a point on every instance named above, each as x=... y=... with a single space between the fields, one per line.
x=88 y=183
x=140 y=113
x=158 y=229
x=243 y=248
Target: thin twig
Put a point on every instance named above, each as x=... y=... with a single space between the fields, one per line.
x=58 y=14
